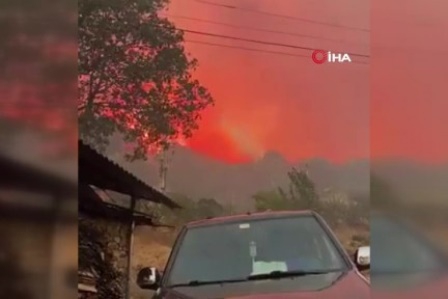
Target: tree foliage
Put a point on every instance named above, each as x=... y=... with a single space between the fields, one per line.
x=94 y=255
x=208 y=207
x=271 y=201
x=301 y=194
x=302 y=190
x=191 y=210
x=134 y=76
x=336 y=209
x=359 y=212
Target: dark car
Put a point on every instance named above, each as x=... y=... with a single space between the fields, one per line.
x=405 y=264
x=263 y=255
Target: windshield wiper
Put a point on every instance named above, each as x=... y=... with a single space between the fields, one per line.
x=270 y=275
x=284 y=274
x=195 y=283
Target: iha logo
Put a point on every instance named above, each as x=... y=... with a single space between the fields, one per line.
x=321 y=56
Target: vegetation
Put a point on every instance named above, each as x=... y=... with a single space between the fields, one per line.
x=191 y=210
x=94 y=255
x=135 y=77
x=302 y=194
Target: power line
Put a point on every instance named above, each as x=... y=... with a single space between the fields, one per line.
x=257 y=29
x=246 y=49
x=267 y=13
x=255 y=50
x=260 y=41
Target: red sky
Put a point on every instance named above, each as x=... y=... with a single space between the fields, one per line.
x=409 y=76
x=267 y=102
x=340 y=112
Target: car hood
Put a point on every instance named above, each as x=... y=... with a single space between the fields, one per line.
x=333 y=285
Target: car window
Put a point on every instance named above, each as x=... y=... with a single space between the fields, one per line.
x=237 y=250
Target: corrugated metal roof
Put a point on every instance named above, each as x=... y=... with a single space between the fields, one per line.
x=91 y=204
x=98 y=170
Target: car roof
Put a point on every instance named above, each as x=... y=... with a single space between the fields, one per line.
x=249 y=217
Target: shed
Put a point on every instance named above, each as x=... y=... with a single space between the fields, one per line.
x=96 y=170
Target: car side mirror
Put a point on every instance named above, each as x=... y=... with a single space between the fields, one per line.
x=149 y=278
x=362 y=258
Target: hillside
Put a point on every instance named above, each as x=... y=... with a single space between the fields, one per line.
x=198 y=176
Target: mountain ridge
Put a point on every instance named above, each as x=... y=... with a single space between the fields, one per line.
x=198 y=176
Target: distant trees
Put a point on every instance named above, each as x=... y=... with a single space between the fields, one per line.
x=191 y=210
x=208 y=207
x=302 y=194
x=359 y=212
x=302 y=190
x=271 y=201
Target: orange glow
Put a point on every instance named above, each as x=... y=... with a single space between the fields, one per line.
x=213 y=141
x=278 y=103
x=264 y=102
x=394 y=108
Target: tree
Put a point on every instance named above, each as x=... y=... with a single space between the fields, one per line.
x=271 y=201
x=301 y=194
x=208 y=207
x=359 y=211
x=191 y=210
x=336 y=208
x=302 y=191
x=135 y=77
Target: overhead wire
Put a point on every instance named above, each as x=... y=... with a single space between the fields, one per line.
x=267 y=13
x=256 y=41
x=246 y=49
x=255 y=50
x=259 y=29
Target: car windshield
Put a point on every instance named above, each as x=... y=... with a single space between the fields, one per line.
x=397 y=249
x=237 y=250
